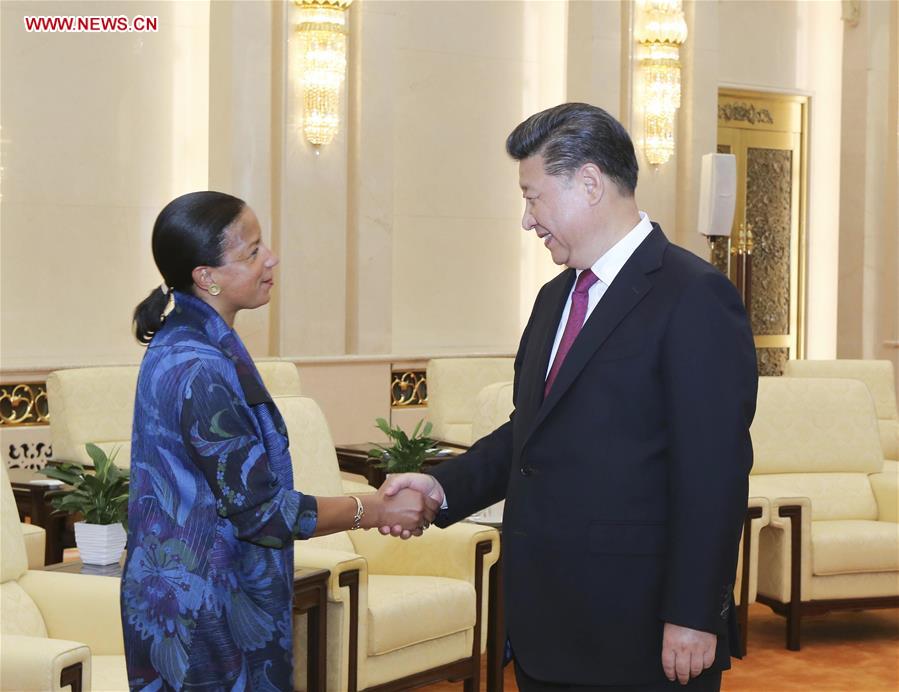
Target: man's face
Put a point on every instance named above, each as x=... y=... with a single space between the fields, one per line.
x=555 y=209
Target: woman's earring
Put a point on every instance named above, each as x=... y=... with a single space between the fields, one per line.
x=214 y=289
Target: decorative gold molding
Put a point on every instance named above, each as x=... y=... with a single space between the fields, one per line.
x=24 y=404
x=408 y=388
x=745 y=112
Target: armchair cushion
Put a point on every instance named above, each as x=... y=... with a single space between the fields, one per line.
x=92 y=405
x=83 y=607
x=493 y=407
x=18 y=612
x=812 y=425
x=853 y=547
x=453 y=386
x=877 y=376
x=396 y=605
x=281 y=377
x=35 y=663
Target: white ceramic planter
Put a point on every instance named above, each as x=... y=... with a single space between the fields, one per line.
x=100 y=544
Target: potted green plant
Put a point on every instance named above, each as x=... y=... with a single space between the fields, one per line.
x=100 y=495
x=407 y=452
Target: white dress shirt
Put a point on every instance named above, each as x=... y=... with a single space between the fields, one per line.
x=606 y=269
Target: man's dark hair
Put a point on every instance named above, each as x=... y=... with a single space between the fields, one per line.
x=572 y=134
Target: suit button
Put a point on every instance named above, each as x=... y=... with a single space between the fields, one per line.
x=526 y=470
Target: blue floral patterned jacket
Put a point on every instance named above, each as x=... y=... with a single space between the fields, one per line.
x=212 y=516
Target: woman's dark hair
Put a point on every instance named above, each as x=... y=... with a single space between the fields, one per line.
x=572 y=134
x=189 y=232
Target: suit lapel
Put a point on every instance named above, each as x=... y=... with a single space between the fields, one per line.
x=629 y=287
x=536 y=362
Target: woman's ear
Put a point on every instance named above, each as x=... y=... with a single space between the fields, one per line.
x=202 y=278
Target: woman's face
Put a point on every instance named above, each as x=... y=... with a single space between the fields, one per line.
x=246 y=275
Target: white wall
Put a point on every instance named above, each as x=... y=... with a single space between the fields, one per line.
x=99 y=132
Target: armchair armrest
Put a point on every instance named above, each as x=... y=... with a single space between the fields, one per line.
x=37 y=663
x=339 y=562
x=80 y=607
x=35 y=544
x=448 y=552
x=758 y=511
x=886 y=492
x=357 y=488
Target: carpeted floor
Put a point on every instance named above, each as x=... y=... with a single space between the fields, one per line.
x=845 y=652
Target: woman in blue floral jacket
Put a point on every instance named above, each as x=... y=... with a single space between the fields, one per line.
x=212 y=514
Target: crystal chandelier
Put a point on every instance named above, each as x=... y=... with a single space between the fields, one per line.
x=661 y=29
x=322 y=30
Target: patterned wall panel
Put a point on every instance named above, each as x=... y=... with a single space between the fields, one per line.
x=772 y=361
x=768 y=212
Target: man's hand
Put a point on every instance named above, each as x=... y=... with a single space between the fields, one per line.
x=686 y=653
x=426 y=485
x=407 y=509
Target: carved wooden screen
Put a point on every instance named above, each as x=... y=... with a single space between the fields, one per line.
x=766 y=134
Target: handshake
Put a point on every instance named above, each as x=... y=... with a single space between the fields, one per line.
x=405 y=504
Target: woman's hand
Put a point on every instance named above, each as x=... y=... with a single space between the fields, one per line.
x=408 y=509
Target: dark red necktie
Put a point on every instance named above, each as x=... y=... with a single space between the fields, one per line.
x=576 y=317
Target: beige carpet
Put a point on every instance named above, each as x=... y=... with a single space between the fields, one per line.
x=849 y=652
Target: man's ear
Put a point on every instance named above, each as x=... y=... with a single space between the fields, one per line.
x=594 y=182
x=202 y=278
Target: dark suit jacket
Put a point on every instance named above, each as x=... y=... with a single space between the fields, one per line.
x=626 y=487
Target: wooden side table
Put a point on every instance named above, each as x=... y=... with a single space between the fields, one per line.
x=78 y=567
x=310 y=596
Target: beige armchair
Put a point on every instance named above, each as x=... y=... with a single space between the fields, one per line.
x=878 y=376
x=833 y=535
x=56 y=629
x=400 y=613
x=453 y=385
x=97 y=405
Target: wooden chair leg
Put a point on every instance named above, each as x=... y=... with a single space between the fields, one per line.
x=743 y=609
x=794 y=611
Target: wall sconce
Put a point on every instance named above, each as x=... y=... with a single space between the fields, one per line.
x=322 y=30
x=661 y=29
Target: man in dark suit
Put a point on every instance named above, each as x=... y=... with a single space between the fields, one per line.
x=625 y=463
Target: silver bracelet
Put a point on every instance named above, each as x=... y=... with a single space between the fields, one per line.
x=360 y=510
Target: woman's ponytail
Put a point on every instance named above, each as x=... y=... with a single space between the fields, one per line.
x=150 y=314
